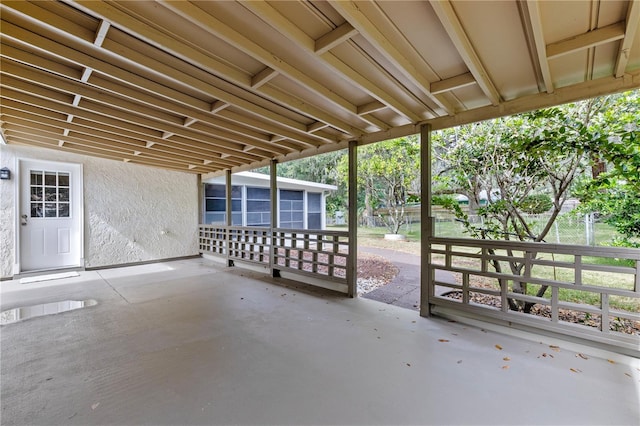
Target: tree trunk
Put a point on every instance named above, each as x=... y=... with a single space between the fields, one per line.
x=368 y=208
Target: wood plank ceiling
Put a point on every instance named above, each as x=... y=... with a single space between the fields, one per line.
x=207 y=86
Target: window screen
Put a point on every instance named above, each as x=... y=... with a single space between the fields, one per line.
x=215 y=204
x=314 y=210
x=258 y=206
x=291 y=209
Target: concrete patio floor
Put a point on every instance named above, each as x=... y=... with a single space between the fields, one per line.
x=192 y=342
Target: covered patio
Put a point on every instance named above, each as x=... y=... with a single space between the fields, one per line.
x=169 y=344
x=114 y=113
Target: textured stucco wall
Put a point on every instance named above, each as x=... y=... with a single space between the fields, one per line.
x=132 y=213
x=7 y=214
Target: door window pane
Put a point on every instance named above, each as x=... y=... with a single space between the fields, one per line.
x=36 y=178
x=36 y=209
x=36 y=193
x=52 y=188
x=63 y=210
x=63 y=179
x=63 y=194
x=50 y=210
x=50 y=179
x=50 y=194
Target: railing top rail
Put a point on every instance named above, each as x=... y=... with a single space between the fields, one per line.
x=235 y=227
x=621 y=252
x=312 y=231
x=249 y=228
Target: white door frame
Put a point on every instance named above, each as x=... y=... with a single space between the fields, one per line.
x=17 y=268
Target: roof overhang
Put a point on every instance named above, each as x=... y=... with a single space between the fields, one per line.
x=204 y=87
x=264 y=181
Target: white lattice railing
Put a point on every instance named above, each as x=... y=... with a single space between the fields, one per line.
x=591 y=292
x=316 y=253
x=322 y=253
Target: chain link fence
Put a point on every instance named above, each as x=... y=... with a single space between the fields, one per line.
x=568 y=228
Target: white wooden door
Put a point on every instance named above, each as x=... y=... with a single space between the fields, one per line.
x=50 y=215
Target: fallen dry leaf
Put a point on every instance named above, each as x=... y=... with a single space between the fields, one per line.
x=94 y=406
x=505 y=367
x=583 y=356
x=442 y=340
x=506 y=358
x=575 y=370
x=498 y=347
x=555 y=348
x=611 y=361
x=408 y=365
x=627 y=374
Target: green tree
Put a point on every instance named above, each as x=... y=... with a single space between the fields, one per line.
x=514 y=160
x=615 y=193
x=388 y=172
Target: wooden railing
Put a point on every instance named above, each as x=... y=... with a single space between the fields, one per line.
x=322 y=253
x=315 y=253
x=589 y=292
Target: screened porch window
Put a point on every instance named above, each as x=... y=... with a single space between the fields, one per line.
x=216 y=204
x=314 y=210
x=291 y=209
x=258 y=206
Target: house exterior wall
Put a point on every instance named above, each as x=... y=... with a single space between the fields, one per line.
x=132 y=213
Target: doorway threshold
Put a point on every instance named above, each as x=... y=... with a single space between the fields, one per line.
x=47 y=277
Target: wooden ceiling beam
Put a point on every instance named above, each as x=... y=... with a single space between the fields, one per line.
x=271 y=16
x=334 y=38
x=263 y=77
x=530 y=11
x=190 y=61
x=370 y=107
x=453 y=83
x=103 y=130
x=94 y=94
x=452 y=25
x=28 y=140
x=593 y=38
x=78 y=133
x=354 y=15
x=213 y=25
x=199 y=141
x=631 y=27
x=44 y=134
x=180 y=77
x=42 y=97
x=152 y=93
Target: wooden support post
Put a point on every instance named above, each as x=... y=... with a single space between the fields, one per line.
x=427 y=275
x=352 y=259
x=273 y=184
x=228 y=221
x=200 y=200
